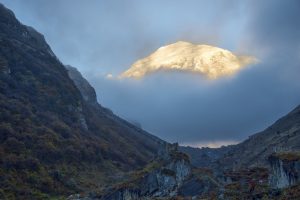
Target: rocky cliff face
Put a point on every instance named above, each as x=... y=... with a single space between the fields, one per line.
x=87 y=91
x=285 y=169
x=161 y=178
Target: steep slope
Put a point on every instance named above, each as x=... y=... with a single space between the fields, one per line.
x=54 y=140
x=282 y=136
x=135 y=138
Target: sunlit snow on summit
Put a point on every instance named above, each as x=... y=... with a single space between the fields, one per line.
x=210 y=61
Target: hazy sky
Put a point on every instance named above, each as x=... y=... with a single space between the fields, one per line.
x=101 y=37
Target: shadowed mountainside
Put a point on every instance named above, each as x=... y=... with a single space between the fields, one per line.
x=283 y=135
x=55 y=138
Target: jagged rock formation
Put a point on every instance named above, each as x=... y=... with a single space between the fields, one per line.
x=200 y=185
x=87 y=91
x=55 y=138
x=161 y=178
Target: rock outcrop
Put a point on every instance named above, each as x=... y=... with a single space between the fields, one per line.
x=285 y=169
x=161 y=178
x=87 y=91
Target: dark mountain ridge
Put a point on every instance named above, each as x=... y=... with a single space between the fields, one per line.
x=282 y=136
x=55 y=138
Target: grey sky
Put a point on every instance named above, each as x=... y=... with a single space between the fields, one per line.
x=100 y=37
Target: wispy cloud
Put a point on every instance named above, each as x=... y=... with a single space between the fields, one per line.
x=211 y=144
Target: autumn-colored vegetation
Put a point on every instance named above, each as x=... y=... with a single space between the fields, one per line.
x=52 y=142
x=287 y=156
